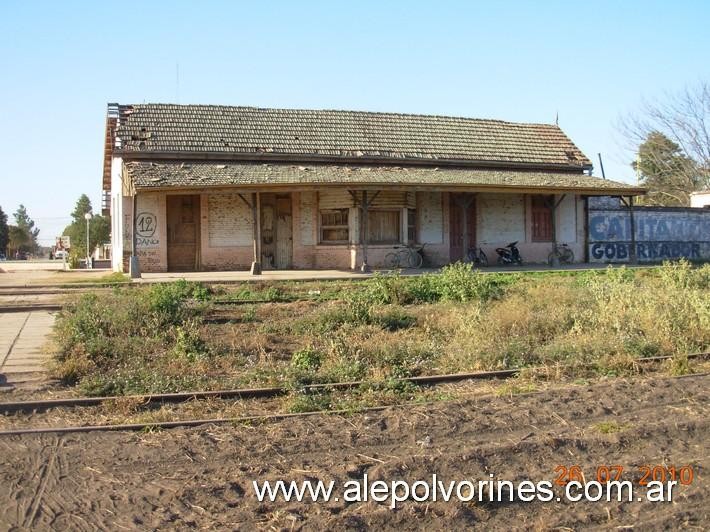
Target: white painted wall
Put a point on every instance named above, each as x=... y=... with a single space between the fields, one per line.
x=700 y=199
x=431 y=218
x=500 y=218
x=117 y=214
x=566 y=221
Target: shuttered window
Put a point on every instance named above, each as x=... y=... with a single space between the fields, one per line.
x=541 y=208
x=334 y=226
x=411 y=226
x=383 y=227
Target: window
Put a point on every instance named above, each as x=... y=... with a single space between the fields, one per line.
x=383 y=227
x=411 y=226
x=541 y=207
x=334 y=226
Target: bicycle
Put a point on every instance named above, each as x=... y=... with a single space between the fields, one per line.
x=561 y=254
x=409 y=256
x=477 y=257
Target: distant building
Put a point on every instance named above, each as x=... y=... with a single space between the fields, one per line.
x=222 y=188
x=700 y=199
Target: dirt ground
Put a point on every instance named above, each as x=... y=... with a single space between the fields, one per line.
x=202 y=478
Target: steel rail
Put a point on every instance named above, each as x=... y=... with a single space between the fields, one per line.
x=181 y=423
x=186 y=423
x=267 y=392
x=245 y=393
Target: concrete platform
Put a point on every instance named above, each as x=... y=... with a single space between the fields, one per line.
x=316 y=275
x=23 y=346
x=36 y=272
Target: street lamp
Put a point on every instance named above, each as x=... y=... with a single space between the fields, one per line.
x=87 y=217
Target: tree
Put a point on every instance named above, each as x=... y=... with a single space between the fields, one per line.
x=669 y=174
x=18 y=240
x=672 y=141
x=83 y=205
x=4 y=232
x=99 y=228
x=27 y=225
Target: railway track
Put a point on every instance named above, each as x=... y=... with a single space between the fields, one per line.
x=28 y=407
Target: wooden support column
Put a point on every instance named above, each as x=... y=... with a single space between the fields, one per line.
x=632 y=227
x=365 y=268
x=364 y=203
x=256 y=213
x=256 y=231
x=553 y=216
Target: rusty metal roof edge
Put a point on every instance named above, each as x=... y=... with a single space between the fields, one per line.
x=172 y=156
x=584 y=191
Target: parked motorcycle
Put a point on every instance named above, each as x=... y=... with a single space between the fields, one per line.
x=509 y=255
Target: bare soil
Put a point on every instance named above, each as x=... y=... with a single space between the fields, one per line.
x=201 y=478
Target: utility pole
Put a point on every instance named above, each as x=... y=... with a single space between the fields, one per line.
x=87 y=217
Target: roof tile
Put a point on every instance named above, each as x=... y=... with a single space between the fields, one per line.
x=145 y=175
x=207 y=129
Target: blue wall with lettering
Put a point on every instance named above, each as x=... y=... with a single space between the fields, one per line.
x=660 y=234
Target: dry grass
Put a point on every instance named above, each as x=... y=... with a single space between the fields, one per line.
x=573 y=326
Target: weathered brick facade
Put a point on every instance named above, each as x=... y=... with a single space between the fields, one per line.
x=226 y=231
x=229 y=188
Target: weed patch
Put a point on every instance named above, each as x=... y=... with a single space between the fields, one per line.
x=171 y=337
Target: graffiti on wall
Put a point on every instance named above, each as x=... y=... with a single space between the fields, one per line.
x=648 y=251
x=146 y=225
x=659 y=234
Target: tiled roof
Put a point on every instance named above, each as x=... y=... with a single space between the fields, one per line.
x=251 y=132
x=153 y=175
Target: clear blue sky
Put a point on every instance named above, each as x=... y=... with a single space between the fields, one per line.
x=61 y=62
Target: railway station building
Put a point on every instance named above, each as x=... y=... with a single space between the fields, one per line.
x=207 y=188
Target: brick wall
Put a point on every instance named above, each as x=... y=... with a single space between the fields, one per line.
x=505 y=218
x=226 y=232
x=151 y=232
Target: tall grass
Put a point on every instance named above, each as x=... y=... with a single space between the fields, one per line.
x=156 y=339
x=607 y=319
x=101 y=336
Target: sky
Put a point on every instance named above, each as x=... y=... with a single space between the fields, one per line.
x=589 y=63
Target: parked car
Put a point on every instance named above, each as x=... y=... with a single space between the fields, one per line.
x=61 y=254
x=2 y=256
x=21 y=255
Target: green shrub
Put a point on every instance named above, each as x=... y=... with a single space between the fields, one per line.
x=130 y=381
x=682 y=275
x=97 y=334
x=249 y=314
x=307 y=359
x=168 y=301
x=274 y=293
x=188 y=343
x=456 y=282
x=303 y=401
x=459 y=282
x=384 y=289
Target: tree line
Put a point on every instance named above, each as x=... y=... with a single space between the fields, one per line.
x=672 y=143
x=21 y=237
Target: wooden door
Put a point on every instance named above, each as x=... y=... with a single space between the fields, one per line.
x=268 y=230
x=183 y=233
x=284 y=232
x=458 y=204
